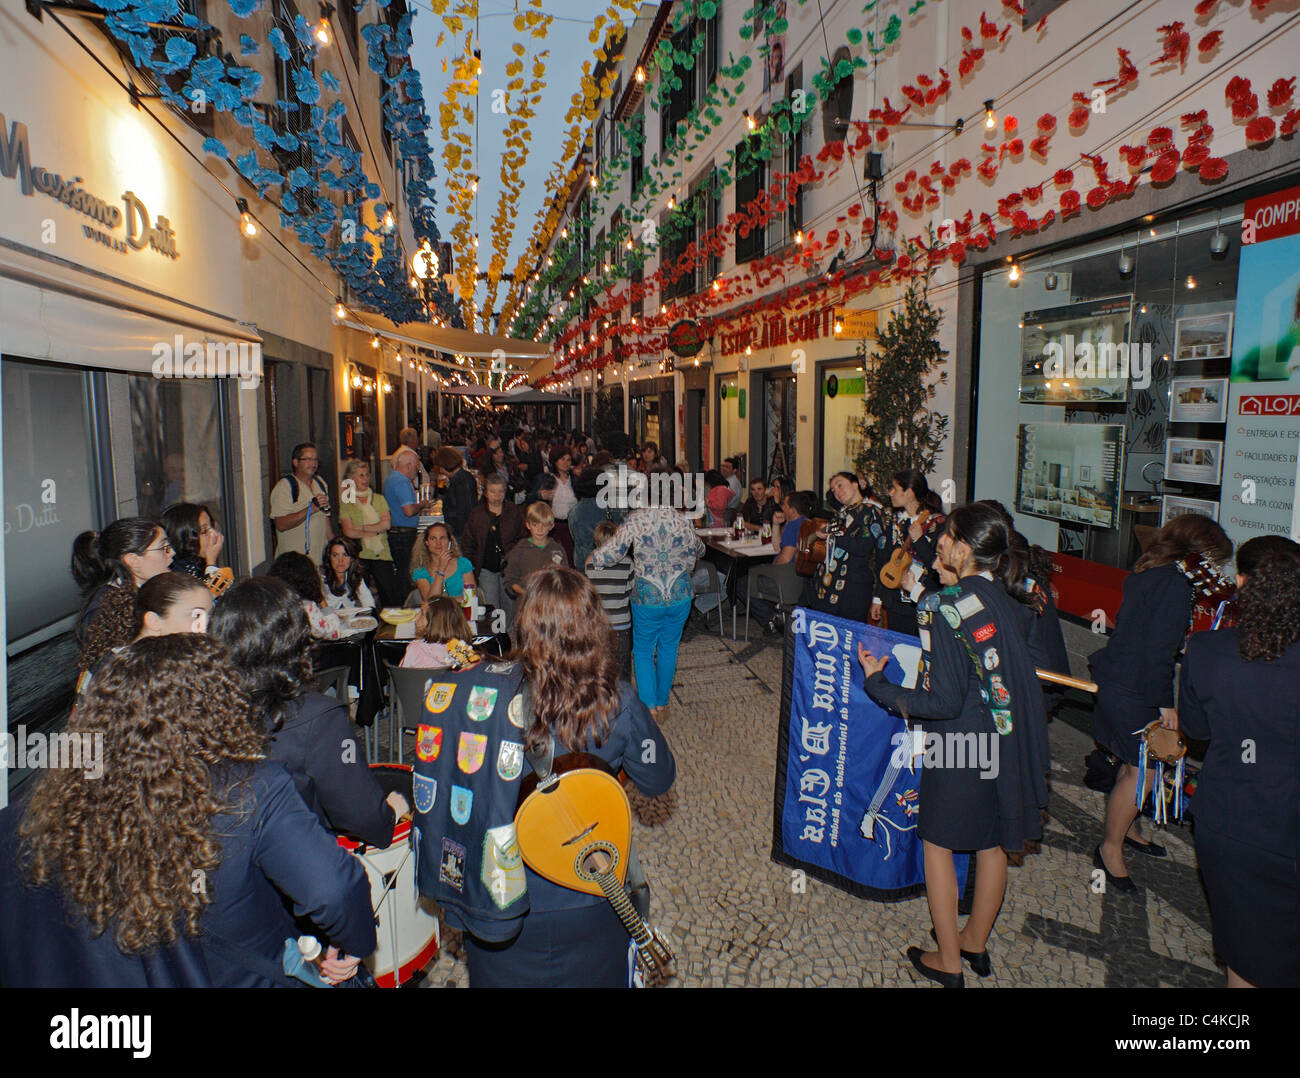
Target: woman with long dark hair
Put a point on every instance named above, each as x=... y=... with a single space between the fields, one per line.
x=109 y=566
x=297 y=570
x=341 y=576
x=843 y=583
x=1240 y=690
x=262 y=623
x=195 y=540
x=978 y=686
x=108 y=875
x=910 y=497
x=1135 y=670
x=569 y=657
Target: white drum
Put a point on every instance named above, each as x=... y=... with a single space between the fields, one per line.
x=408 y=932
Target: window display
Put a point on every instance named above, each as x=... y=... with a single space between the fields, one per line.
x=1071 y=471
x=1073 y=354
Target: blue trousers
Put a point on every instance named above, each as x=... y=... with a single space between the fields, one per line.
x=656 y=632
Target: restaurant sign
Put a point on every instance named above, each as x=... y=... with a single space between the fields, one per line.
x=104 y=219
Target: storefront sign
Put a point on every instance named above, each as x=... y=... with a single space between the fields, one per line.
x=685 y=338
x=781 y=329
x=1263 y=433
x=138 y=229
x=856 y=324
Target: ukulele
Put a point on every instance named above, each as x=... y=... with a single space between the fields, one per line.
x=575 y=828
x=1211 y=592
x=891 y=573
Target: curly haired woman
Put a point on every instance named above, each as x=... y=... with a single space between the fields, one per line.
x=1240 y=689
x=122 y=873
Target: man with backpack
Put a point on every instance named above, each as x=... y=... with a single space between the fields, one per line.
x=300 y=507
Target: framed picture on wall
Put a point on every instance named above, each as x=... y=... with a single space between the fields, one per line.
x=1071 y=472
x=1198 y=400
x=1203 y=336
x=1076 y=354
x=1192 y=460
x=1174 y=506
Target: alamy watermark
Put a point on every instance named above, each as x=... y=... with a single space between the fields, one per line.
x=80 y=751
x=209 y=359
x=976 y=751
x=1103 y=360
x=620 y=488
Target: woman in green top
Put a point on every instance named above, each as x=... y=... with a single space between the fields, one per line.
x=364 y=517
x=437 y=567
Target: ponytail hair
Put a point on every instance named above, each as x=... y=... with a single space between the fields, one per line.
x=986 y=530
x=913 y=479
x=97 y=556
x=160 y=593
x=1037 y=561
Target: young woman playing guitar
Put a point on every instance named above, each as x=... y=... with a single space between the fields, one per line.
x=913 y=533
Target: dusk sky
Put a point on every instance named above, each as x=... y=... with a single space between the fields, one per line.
x=568 y=44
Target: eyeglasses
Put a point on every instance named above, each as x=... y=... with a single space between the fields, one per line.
x=165 y=548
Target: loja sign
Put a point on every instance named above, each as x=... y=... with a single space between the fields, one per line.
x=139 y=230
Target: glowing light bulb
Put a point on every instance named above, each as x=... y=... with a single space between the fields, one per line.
x=323 y=32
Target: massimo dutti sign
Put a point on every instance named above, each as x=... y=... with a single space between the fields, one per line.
x=138 y=229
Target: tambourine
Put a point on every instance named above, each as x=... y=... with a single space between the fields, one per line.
x=1164 y=744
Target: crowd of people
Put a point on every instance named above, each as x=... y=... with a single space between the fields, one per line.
x=210 y=839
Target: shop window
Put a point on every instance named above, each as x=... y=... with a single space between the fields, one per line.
x=1149 y=289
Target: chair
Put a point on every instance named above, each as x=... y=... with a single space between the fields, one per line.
x=407 y=686
x=713 y=586
x=331 y=681
x=786 y=587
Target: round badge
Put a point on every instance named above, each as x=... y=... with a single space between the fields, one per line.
x=515 y=712
x=950 y=615
x=991 y=659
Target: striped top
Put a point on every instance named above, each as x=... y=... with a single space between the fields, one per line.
x=614 y=586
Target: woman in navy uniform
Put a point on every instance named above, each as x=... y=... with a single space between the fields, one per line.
x=910 y=495
x=1240 y=690
x=565 y=643
x=1135 y=670
x=120 y=875
x=844 y=581
x=978 y=680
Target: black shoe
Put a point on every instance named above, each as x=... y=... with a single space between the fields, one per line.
x=1148 y=848
x=978 y=960
x=947 y=980
x=1121 y=883
x=774 y=626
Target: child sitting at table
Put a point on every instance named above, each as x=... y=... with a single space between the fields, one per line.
x=614 y=586
x=439 y=621
x=537 y=550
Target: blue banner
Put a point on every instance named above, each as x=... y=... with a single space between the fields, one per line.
x=847 y=797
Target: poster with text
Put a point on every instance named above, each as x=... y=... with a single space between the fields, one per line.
x=1260 y=455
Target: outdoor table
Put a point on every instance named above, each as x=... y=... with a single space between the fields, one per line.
x=736 y=555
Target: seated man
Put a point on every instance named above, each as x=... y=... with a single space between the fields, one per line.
x=785 y=536
x=758 y=508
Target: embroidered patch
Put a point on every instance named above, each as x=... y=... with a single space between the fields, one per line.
x=950 y=614
x=510 y=760
x=557 y=558
x=469 y=753
x=924 y=634
x=1000 y=695
x=451 y=870
x=515 y=712
x=501 y=668
x=503 y=865
x=1002 y=720
x=984 y=632
x=439 y=697
x=969 y=605
x=462 y=803
x=428 y=742
x=991 y=659
x=425 y=793
x=482 y=699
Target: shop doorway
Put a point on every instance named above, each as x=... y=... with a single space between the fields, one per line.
x=779 y=426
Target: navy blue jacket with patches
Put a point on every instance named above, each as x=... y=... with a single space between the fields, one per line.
x=473 y=871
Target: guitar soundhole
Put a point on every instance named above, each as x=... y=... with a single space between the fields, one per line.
x=598 y=858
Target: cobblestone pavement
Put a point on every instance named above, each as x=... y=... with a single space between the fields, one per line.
x=734 y=921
